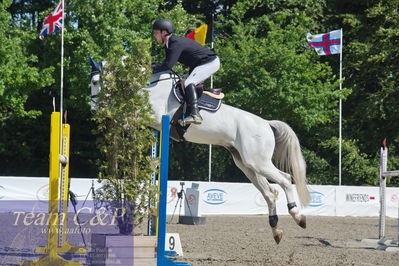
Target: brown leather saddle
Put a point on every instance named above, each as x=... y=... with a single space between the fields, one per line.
x=201 y=89
x=208 y=99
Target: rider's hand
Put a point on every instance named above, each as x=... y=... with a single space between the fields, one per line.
x=155 y=67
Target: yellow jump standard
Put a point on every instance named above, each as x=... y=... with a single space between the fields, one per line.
x=58 y=199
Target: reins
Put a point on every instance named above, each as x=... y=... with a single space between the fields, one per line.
x=170 y=77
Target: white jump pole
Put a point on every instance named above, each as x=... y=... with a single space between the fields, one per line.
x=383 y=174
x=383 y=182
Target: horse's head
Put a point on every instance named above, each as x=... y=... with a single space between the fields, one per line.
x=95 y=84
x=159 y=87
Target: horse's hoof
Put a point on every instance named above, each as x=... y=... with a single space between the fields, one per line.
x=278 y=235
x=302 y=222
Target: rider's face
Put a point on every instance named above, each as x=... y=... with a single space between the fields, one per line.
x=159 y=36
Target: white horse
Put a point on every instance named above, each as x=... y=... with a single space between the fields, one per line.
x=251 y=140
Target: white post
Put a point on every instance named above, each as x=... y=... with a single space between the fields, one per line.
x=210 y=163
x=383 y=181
x=340 y=114
x=62 y=71
x=210 y=145
x=62 y=74
x=60 y=177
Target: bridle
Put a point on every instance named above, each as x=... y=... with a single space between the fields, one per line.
x=172 y=75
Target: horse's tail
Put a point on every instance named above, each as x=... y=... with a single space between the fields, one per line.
x=288 y=157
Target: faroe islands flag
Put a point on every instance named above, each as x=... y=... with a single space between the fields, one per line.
x=326 y=43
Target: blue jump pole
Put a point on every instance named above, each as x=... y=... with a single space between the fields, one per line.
x=154 y=154
x=162 y=260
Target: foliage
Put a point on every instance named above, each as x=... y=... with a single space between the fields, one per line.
x=18 y=75
x=20 y=78
x=267 y=68
x=357 y=167
x=277 y=75
x=123 y=137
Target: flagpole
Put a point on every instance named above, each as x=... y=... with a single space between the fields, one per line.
x=62 y=62
x=340 y=113
x=60 y=179
x=210 y=145
x=62 y=81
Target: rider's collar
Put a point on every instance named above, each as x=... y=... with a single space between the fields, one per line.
x=167 y=40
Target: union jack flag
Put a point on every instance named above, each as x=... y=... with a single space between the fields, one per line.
x=53 y=22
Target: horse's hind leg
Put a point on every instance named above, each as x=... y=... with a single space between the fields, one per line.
x=299 y=218
x=284 y=180
x=268 y=193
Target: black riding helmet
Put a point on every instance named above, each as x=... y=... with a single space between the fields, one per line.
x=163 y=24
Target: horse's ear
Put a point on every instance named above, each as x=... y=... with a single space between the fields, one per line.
x=94 y=65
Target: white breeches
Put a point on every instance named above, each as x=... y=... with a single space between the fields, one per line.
x=202 y=72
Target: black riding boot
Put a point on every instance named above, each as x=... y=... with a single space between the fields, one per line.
x=192 y=106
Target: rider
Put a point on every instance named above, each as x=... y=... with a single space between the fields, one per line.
x=201 y=61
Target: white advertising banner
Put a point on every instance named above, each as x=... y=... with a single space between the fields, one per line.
x=357 y=201
x=392 y=202
x=244 y=198
x=218 y=198
x=322 y=201
x=20 y=190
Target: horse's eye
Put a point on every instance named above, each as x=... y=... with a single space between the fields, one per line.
x=95 y=82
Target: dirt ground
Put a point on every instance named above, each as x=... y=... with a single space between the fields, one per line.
x=247 y=240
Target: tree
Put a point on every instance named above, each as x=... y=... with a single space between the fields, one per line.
x=370 y=70
x=269 y=70
x=19 y=78
x=124 y=139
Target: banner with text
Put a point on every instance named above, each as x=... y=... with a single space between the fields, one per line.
x=216 y=198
